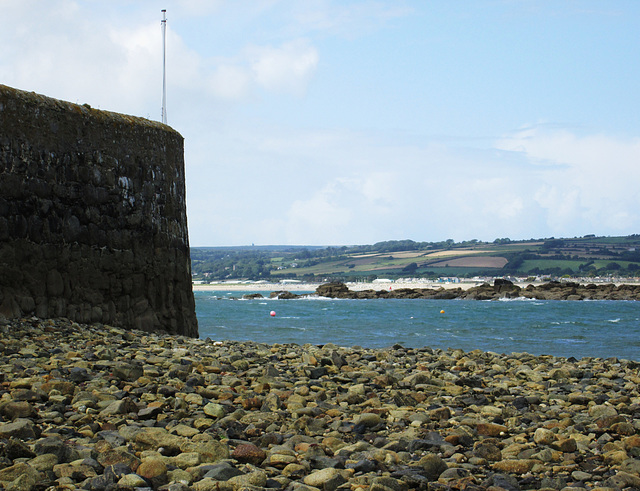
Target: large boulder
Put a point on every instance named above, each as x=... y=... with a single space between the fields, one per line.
x=333 y=290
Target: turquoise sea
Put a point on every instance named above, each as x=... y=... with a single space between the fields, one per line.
x=599 y=329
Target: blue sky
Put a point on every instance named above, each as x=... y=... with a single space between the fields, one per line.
x=324 y=122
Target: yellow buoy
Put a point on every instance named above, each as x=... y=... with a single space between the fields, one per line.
x=442 y=311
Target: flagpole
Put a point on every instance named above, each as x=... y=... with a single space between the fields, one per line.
x=164 y=67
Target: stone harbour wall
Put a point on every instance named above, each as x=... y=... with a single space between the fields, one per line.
x=93 y=220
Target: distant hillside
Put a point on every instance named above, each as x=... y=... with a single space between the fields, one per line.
x=551 y=257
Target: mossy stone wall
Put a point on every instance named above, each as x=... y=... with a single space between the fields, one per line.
x=93 y=220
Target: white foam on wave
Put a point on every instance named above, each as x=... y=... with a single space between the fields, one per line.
x=614 y=320
x=519 y=299
x=261 y=300
x=294 y=328
x=319 y=298
x=572 y=341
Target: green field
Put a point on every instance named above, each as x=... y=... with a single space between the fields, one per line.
x=583 y=256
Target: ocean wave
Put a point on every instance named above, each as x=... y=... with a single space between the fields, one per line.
x=466 y=325
x=293 y=328
x=520 y=299
x=319 y=298
x=573 y=341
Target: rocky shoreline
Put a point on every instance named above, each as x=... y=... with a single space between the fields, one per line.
x=99 y=408
x=553 y=290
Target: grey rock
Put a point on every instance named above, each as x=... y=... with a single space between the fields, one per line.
x=21 y=428
x=222 y=472
x=128 y=372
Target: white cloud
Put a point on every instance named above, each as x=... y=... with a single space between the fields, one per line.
x=562 y=205
x=197 y=7
x=80 y=57
x=348 y=20
x=342 y=207
x=287 y=68
x=277 y=182
x=368 y=189
x=66 y=51
x=341 y=187
x=586 y=182
x=322 y=216
x=133 y=74
x=230 y=82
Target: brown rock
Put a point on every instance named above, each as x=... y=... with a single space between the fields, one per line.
x=78 y=472
x=249 y=453
x=625 y=480
x=118 y=456
x=623 y=428
x=566 y=445
x=631 y=442
x=520 y=466
x=432 y=466
x=154 y=438
x=65 y=387
x=251 y=403
x=17 y=449
x=327 y=478
x=543 y=436
x=152 y=468
x=608 y=421
x=209 y=451
x=20 y=428
x=459 y=439
x=17 y=409
x=20 y=471
x=439 y=414
x=615 y=457
x=491 y=429
x=488 y=451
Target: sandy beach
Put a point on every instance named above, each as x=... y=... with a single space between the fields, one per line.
x=305 y=287
x=361 y=286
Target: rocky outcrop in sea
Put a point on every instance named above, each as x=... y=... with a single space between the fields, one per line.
x=553 y=290
x=100 y=408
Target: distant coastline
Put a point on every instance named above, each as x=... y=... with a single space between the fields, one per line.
x=306 y=287
x=361 y=286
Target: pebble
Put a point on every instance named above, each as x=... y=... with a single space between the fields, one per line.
x=96 y=407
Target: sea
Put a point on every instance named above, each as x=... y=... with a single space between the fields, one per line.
x=598 y=329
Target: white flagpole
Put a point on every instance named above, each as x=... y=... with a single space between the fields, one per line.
x=164 y=65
